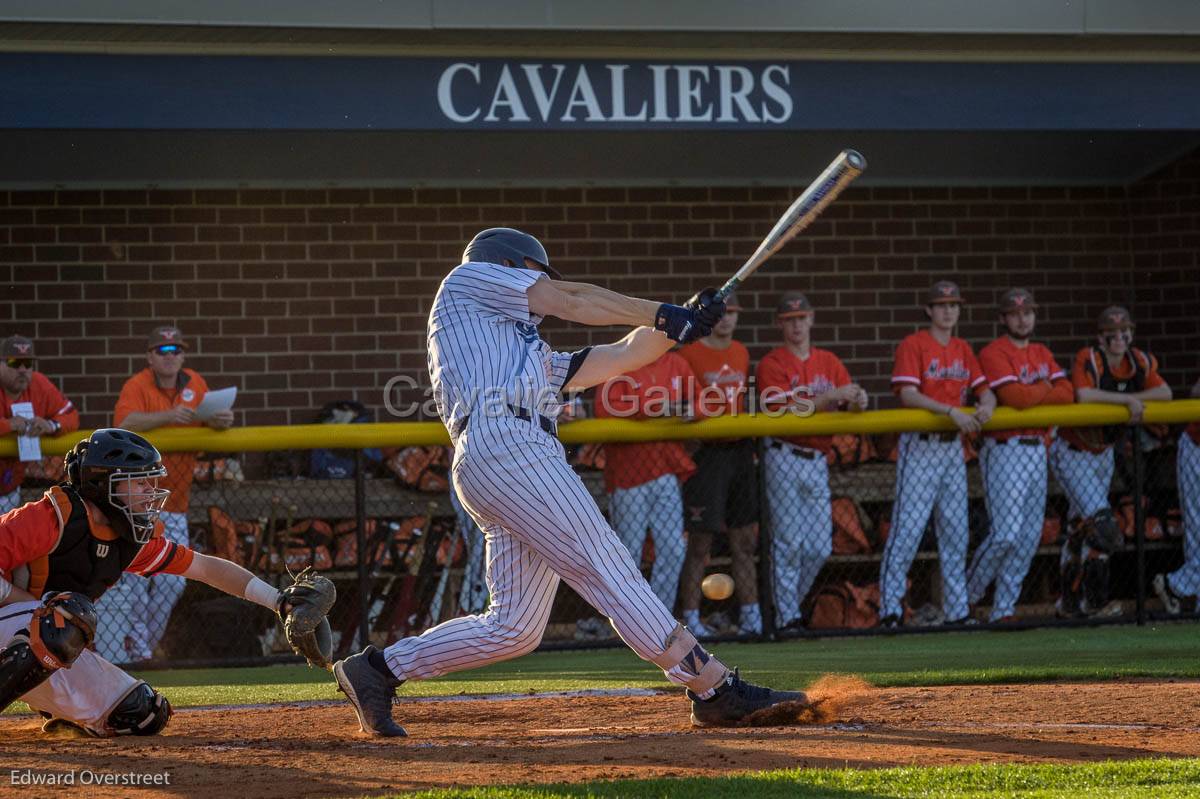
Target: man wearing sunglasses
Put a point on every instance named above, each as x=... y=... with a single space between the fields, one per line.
x=164 y=394
x=1114 y=373
x=52 y=412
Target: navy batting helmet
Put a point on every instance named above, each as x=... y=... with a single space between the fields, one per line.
x=499 y=244
x=119 y=471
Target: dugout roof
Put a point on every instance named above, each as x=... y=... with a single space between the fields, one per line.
x=456 y=92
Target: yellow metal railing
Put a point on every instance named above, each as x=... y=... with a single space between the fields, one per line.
x=401 y=434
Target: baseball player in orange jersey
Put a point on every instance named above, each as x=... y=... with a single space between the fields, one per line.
x=643 y=478
x=72 y=545
x=801 y=376
x=1115 y=373
x=722 y=496
x=1185 y=581
x=937 y=372
x=1023 y=374
x=22 y=386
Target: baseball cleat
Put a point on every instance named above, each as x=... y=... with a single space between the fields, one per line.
x=736 y=701
x=370 y=692
x=1169 y=598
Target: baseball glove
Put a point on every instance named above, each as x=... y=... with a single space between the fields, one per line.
x=303 y=608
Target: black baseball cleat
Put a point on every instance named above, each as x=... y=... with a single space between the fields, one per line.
x=735 y=701
x=1170 y=599
x=370 y=692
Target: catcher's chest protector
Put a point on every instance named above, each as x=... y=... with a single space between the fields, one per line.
x=89 y=557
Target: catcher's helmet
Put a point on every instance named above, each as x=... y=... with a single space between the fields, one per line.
x=105 y=468
x=499 y=244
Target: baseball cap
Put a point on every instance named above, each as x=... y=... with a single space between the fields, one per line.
x=1114 y=317
x=944 y=291
x=16 y=347
x=166 y=334
x=1016 y=299
x=793 y=303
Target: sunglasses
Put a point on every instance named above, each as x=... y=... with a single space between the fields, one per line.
x=17 y=363
x=168 y=349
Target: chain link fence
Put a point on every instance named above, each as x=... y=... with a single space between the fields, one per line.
x=821 y=535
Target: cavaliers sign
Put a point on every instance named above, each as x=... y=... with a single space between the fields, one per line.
x=541 y=93
x=63 y=91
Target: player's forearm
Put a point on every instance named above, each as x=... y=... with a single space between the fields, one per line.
x=640 y=347
x=1061 y=393
x=593 y=305
x=10 y=594
x=141 y=421
x=911 y=397
x=231 y=578
x=985 y=401
x=1018 y=396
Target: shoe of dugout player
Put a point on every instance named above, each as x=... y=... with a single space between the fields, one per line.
x=735 y=700
x=1169 y=598
x=370 y=692
x=1107 y=611
x=965 y=621
x=890 y=622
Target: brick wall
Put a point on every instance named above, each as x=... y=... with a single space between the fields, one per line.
x=304 y=296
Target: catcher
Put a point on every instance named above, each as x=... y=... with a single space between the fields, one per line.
x=60 y=553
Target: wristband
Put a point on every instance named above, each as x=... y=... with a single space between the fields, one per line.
x=261 y=593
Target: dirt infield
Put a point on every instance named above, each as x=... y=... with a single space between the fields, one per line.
x=259 y=751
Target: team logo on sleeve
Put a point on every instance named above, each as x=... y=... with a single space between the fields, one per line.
x=188 y=395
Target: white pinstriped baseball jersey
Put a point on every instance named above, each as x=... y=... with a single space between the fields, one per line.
x=539 y=520
x=484 y=348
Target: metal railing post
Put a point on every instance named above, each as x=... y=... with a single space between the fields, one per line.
x=1139 y=522
x=360 y=535
x=766 y=574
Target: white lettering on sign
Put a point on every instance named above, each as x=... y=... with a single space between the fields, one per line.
x=498 y=92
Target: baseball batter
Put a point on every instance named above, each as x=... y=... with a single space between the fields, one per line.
x=497 y=385
x=796 y=468
x=1185 y=581
x=1023 y=374
x=60 y=553
x=1115 y=373
x=937 y=372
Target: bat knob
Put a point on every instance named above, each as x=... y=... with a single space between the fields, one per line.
x=855 y=159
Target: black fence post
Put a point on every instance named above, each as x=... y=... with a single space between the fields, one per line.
x=360 y=535
x=766 y=574
x=1139 y=522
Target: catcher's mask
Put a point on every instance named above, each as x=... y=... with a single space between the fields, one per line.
x=498 y=245
x=119 y=471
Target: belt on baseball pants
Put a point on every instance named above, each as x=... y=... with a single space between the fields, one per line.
x=544 y=422
x=799 y=452
x=943 y=436
x=1024 y=441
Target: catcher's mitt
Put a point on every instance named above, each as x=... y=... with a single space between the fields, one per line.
x=307 y=602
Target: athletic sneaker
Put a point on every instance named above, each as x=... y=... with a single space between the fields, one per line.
x=735 y=700
x=370 y=692
x=1169 y=598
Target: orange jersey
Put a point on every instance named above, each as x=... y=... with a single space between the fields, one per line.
x=1031 y=368
x=32 y=531
x=723 y=375
x=943 y=373
x=141 y=394
x=48 y=403
x=782 y=371
x=1086 y=371
x=641 y=394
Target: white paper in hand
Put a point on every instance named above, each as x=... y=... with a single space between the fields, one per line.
x=29 y=448
x=216 y=401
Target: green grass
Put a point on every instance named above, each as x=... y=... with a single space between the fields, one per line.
x=1162 y=779
x=1166 y=650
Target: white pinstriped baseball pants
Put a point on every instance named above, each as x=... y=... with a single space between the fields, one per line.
x=931 y=478
x=541 y=524
x=1085 y=477
x=1185 y=581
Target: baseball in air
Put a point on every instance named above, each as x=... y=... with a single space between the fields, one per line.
x=717 y=586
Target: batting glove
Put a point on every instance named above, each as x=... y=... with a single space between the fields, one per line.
x=708 y=309
x=679 y=323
